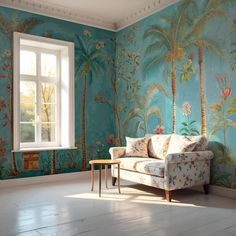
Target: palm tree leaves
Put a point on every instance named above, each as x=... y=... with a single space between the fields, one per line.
x=156 y=112
x=7 y=27
x=143 y=111
x=134 y=112
x=90 y=59
x=211 y=45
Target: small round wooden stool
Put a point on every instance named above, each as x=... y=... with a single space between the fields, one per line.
x=106 y=163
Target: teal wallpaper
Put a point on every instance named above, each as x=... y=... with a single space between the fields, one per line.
x=176 y=72
x=97 y=122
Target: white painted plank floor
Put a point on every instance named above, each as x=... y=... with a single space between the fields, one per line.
x=69 y=208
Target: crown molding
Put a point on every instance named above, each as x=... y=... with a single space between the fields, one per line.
x=144 y=12
x=57 y=11
x=65 y=13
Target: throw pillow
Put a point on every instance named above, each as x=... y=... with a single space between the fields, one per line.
x=179 y=143
x=202 y=144
x=158 y=146
x=137 y=147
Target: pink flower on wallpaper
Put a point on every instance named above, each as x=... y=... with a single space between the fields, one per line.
x=226 y=92
x=234 y=21
x=159 y=130
x=2 y=76
x=6 y=66
x=4 y=159
x=4 y=124
x=225 y=86
x=2 y=103
x=191 y=56
x=2 y=147
x=221 y=79
x=111 y=139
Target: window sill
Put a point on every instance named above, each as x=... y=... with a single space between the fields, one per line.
x=43 y=149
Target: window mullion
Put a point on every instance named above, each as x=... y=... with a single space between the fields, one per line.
x=38 y=100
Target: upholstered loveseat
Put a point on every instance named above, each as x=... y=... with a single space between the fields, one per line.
x=173 y=162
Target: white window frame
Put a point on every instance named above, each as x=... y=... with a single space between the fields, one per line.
x=65 y=90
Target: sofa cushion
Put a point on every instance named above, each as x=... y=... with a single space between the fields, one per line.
x=202 y=144
x=137 y=147
x=150 y=166
x=158 y=146
x=180 y=143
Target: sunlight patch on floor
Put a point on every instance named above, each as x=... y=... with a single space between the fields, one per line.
x=128 y=194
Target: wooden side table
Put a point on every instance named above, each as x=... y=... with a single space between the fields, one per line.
x=106 y=163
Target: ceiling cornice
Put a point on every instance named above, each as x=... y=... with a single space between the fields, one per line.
x=69 y=14
x=144 y=12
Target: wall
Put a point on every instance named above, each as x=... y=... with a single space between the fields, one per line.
x=134 y=94
x=99 y=126
x=176 y=71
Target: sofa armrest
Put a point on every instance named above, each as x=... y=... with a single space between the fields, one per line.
x=189 y=156
x=117 y=152
x=187 y=169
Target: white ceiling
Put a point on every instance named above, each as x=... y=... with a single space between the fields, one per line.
x=108 y=14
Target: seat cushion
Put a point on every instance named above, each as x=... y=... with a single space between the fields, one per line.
x=150 y=166
x=158 y=146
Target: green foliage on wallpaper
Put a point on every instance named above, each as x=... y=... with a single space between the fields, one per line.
x=183 y=49
x=92 y=45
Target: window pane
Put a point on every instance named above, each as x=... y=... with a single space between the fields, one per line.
x=48 y=132
x=48 y=65
x=48 y=112
x=27 y=112
x=48 y=92
x=27 y=133
x=27 y=62
x=27 y=92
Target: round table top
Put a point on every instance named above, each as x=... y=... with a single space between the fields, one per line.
x=104 y=161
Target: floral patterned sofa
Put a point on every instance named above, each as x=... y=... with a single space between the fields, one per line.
x=169 y=162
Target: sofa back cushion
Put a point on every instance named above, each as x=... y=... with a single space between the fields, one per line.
x=202 y=144
x=158 y=146
x=180 y=143
x=136 y=147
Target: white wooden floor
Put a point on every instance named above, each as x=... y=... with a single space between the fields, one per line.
x=69 y=208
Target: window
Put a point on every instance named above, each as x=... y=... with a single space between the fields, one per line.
x=43 y=93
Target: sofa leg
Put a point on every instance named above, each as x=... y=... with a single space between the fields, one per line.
x=206 y=188
x=168 y=195
x=113 y=181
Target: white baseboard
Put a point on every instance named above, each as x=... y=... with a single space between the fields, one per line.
x=45 y=179
x=9 y=183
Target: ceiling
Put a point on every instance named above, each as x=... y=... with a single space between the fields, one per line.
x=107 y=14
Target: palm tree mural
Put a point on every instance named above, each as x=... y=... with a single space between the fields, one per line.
x=169 y=48
x=7 y=27
x=143 y=110
x=90 y=61
x=233 y=45
x=200 y=15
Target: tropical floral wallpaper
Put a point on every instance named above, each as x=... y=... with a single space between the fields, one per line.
x=176 y=72
x=94 y=126
x=172 y=72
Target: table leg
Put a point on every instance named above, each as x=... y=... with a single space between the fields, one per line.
x=106 y=175
x=119 y=178
x=99 y=179
x=92 y=177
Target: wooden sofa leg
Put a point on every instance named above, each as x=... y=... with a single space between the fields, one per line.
x=206 y=188
x=113 y=181
x=168 y=195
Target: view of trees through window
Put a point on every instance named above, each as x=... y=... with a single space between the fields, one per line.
x=38 y=97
